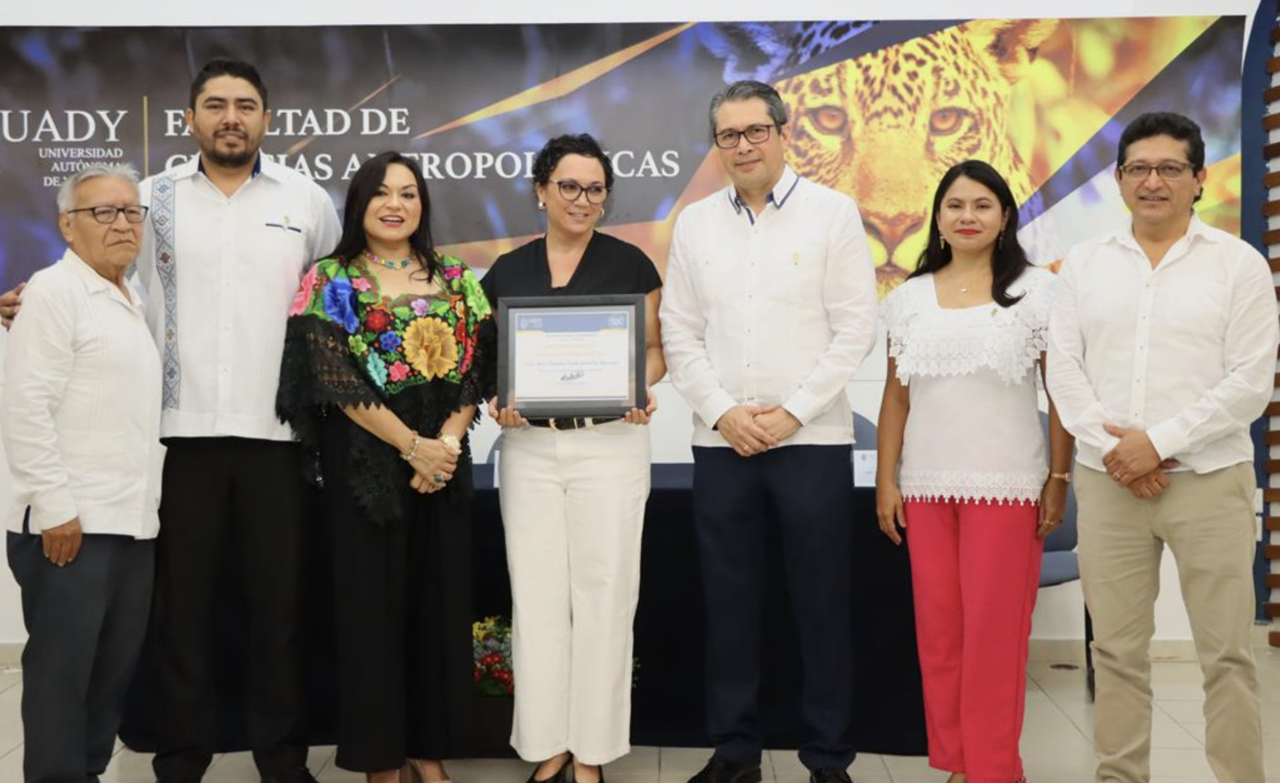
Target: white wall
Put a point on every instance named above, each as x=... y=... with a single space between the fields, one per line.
x=1059 y=614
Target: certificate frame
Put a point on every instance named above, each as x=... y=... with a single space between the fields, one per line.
x=574 y=316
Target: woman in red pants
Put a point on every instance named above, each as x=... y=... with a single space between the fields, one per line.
x=964 y=470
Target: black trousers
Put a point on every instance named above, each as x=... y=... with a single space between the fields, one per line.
x=402 y=614
x=86 y=622
x=221 y=493
x=808 y=492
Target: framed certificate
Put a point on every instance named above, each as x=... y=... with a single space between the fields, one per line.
x=572 y=355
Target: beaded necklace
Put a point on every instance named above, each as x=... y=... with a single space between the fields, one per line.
x=404 y=264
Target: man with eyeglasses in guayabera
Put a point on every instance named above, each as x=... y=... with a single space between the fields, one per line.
x=770 y=307
x=1162 y=352
x=80 y=421
x=227 y=239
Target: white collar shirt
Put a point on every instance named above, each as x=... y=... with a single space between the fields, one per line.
x=80 y=413
x=771 y=309
x=220 y=273
x=1185 y=351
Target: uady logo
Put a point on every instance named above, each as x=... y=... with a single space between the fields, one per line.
x=24 y=125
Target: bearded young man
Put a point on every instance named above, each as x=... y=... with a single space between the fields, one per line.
x=230 y=235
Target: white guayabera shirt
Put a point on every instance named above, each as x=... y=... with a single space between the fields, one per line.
x=771 y=309
x=80 y=413
x=974 y=430
x=220 y=273
x=1185 y=351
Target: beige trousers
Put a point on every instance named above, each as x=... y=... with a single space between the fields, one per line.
x=573 y=511
x=1207 y=521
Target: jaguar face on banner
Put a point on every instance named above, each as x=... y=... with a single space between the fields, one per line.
x=878 y=110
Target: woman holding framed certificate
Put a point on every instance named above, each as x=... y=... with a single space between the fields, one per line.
x=386 y=359
x=573 y=489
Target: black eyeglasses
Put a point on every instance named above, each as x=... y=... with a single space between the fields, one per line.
x=756 y=134
x=107 y=215
x=1141 y=171
x=570 y=190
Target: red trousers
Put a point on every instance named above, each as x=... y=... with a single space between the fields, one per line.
x=975 y=569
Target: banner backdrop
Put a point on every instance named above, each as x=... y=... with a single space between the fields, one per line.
x=878 y=110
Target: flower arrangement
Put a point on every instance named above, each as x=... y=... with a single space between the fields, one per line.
x=491 y=654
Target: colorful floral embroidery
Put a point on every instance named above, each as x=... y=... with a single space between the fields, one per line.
x=305 y=292
x=338 y=305
x=377 y=319
x=389 y=341
x=430 y=347
x=399 y=344
x=377 y=369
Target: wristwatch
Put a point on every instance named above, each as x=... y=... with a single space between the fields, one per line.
x=1066 y=477
x=450 y=440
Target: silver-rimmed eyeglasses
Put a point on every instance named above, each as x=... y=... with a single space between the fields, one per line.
x=107 y=215
x=1167 y=170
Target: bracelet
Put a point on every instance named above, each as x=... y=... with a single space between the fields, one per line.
x=450 y=440
x=413 y=451
x=1066 y=477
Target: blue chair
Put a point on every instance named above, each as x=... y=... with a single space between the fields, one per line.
x=1060 y=564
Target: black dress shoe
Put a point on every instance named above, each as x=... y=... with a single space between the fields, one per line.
x=572 y=775
x=720 y=771
x=562 y=775
x=829 y=776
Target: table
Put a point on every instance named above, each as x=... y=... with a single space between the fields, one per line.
x=668 y=700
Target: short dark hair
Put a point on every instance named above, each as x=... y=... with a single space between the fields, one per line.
x=1164 y=123
x=1008 y=259
x=570 y=144
x=364 y=186
x=225 y=66
x=744 y=90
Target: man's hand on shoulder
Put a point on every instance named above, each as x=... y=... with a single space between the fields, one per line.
x=739 y=428
x=10 y=303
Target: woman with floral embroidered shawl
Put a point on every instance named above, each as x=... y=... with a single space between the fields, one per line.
x=975 y=489
x=384 y=364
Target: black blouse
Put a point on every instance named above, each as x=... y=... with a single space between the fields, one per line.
x=608 y=266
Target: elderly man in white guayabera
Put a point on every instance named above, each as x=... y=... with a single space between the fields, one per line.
x=80 y=421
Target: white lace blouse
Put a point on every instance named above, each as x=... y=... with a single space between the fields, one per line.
x=974 y=431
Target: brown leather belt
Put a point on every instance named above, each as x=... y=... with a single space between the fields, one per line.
x=573 y=423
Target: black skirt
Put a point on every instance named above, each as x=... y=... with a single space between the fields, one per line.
x=402 y=602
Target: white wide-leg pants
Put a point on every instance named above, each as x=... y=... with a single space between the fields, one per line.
x=573 y=512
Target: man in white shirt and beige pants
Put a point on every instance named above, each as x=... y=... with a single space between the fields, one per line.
x=770 y=306
x=1162 y=352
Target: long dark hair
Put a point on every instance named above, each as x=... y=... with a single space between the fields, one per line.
x=364 y=186
x=1008 y=259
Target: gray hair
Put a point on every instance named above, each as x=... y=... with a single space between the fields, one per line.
x=67 y=193
x=745 y=90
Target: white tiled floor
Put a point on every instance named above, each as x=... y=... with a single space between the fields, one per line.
x=1056 y=742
